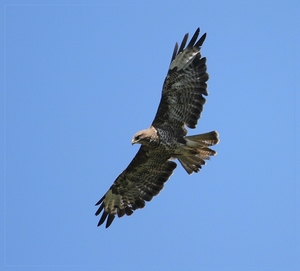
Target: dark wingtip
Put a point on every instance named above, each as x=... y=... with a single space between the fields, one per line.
x=201 y=40
x=102 y=219
x=194 y=38
x=193 y=43
x=183 y=43
x=99 y=201
x=110 y=219
x=174 y=52
x=99 y=209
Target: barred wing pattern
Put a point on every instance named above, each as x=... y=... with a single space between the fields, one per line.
x=139 y=182
x=182 y=96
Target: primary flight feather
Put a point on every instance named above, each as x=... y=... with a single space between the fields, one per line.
x=166 y=139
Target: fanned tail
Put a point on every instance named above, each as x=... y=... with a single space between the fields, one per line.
x=196 y=151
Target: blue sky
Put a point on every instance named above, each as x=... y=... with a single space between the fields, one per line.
x=79 y=78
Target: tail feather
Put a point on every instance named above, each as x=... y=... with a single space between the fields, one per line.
x=196 y=150
x=191 y=164
x=207 y=139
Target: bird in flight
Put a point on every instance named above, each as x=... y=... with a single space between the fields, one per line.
x=166 y=139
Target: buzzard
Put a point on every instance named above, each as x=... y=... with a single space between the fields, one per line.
x=166 y=139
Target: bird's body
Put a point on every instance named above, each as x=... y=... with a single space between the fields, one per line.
x=166 y=139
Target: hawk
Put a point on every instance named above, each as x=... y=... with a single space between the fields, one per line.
x=166 y=139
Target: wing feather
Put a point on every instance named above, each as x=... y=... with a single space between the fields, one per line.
x=139 y=182
x=184 y=87
x=183 y=43
x=174 y=52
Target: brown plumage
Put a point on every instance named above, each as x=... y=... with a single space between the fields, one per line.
x=181 y=105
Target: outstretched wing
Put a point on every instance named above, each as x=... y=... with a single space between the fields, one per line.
x=182 y=95
x=139 y=182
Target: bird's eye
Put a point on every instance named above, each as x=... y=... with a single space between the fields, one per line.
x=137 y=137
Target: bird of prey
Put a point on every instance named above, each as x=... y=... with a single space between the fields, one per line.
x=166 y=139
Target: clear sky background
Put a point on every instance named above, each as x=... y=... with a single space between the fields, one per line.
x=79 y=78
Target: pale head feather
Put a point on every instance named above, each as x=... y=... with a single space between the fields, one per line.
x=145 y=136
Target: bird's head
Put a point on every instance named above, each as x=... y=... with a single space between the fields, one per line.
x=140 y=137
x=145 y=136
